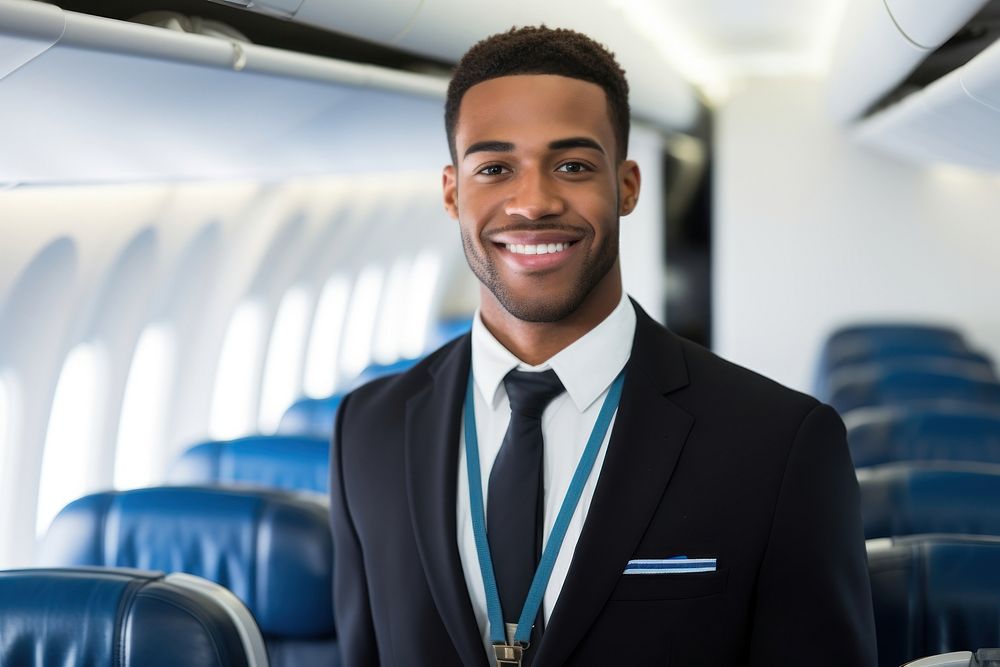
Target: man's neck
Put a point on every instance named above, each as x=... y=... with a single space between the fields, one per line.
x=535 y=342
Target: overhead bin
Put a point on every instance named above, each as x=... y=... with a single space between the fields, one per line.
x=382 y=21
x=880 y=43
x=921 y=80
x=953 y=120
x=445 y=29
x=88 y=99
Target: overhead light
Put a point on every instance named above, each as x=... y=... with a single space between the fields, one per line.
x=674 y=29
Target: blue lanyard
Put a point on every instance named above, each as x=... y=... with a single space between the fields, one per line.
x=522 y=634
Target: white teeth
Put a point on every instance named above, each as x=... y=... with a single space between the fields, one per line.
x=540 y=249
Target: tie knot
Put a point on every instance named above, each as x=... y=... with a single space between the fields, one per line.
x=530 y=393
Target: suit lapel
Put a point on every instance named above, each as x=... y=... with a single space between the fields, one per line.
x=433 y=419
x=646 y=442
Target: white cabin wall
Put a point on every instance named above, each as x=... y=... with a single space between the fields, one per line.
x=643 y=232
x=813 y=231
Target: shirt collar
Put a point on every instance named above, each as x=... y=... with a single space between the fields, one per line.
x=587 y=367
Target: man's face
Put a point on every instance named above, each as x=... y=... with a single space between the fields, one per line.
x=537 y=192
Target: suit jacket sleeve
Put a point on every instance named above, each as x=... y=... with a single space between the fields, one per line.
x=352 y=611
x=813 y=600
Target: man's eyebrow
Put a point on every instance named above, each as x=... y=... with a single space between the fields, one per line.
x=575 y=142
x=489 y=147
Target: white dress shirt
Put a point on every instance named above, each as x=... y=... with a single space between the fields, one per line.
x=586 y=368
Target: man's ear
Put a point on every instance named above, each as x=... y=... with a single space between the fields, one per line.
x=449 y=185
x=629 y=180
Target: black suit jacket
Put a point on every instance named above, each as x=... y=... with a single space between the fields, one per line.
x=706 y=459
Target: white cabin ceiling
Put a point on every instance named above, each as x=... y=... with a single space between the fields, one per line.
x=713 y=43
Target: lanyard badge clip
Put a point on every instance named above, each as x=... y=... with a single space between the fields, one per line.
x=508 y=656
x=511 y=653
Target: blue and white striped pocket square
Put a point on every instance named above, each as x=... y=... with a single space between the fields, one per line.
x=673 y=565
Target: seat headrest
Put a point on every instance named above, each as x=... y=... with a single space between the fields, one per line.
x=310 y=416
x=900 y=433
x=376 y=371
x=272 y=549
x=123 y=618
x=866 y=342
x=930 y=497
x=300 y=463
x=912 y=386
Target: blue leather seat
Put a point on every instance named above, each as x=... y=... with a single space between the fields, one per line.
x=273 y=549
x=908 y=386
x=297 y=463
x=970 y=364
x=930 y=497
x=315 y=416
x=934 y=594
x=375 y=371
x=915 y=433
x=864 y=343
x=90 y=617
x=448 y=329
x=310 y=417
x=856 y=340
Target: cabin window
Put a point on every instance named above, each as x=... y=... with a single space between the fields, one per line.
x=72 y=433
x=423 y=281
x=283 y=366
x=324 y=340
x=144 y=408
x=237 y=377
x=360 y=326
x=392 y=320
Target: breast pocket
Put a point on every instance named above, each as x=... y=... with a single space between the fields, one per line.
x=670 y=586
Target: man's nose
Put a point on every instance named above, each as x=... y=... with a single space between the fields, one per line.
x=535 y=196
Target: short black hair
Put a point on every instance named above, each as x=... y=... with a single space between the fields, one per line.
x=541 y=50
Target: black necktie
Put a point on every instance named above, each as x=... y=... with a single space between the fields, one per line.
x=514 y=506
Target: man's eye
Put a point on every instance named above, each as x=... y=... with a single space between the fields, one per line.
x=493 y=170
x=573 y=168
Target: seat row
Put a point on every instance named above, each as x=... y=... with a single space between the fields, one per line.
x=184 y=575
x=230 y=566
x=273 y=550
x=314 y=416
x=893 y=364
x=922 y=410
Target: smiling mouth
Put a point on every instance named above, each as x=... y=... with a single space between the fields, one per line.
x=536 y=248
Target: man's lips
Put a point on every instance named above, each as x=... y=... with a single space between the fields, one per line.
x=534 y=254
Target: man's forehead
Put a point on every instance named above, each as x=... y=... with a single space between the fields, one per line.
x=536 y=104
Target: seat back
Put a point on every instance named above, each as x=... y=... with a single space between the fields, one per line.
x=447 y=330
x=850 y=343
x=272 y=549
x=375 y=371
x=934 y=594
x=123 y=618
x=930 y=497
x=969 y=364
x=865 y=343
x=310 y=417
x=298 y=463
x=921 y=433
x=914 y=386
x=315 y=416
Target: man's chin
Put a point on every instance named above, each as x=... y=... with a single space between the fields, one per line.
x=537 y=309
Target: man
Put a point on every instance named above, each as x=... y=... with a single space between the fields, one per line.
x=716 y=520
